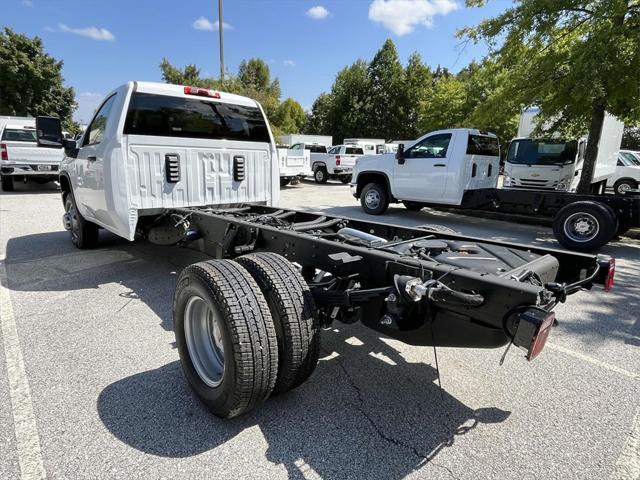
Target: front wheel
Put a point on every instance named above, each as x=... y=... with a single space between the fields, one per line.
x=623 y=186
x=374 y=199
x=585 y=225
x=84 y=234
x=225 y=336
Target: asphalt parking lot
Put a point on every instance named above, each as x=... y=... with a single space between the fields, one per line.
x=91 y=386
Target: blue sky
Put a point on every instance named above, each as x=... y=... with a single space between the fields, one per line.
x=106 y=43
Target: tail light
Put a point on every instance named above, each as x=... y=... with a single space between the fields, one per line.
x=201 y=92
x=3 y=151
x=608 y=279
x=533 y=330
x=338 y=160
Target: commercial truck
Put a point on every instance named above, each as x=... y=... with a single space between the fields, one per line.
x=197 y=168
x=458 y=168
x=554 y=162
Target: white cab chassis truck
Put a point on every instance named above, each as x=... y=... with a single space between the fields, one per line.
x=459 y=168
x=555 y=163
x=188 y=166
x=20 y=156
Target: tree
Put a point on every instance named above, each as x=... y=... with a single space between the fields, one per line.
x=318 y=120
x=631 y=138
x=31 y=81
x=189 y=75
x=386 y=115
x=418 y=87
x=290 y=117
x=575 y=59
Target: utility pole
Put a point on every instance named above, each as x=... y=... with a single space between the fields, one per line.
x=220 y=28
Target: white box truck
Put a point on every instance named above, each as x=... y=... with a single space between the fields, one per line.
x=555 y=163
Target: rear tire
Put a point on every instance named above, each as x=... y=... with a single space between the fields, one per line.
x=345 y=178
x=7 y=183
x=374 y=199
x=585 y=225
x=623 y=186
x=225 y=337
x=284 y=182
x=84 y=234
x=321 y=175
x=412 y=206
x=294 y=315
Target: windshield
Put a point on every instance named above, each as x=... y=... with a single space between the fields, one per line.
x=542 y=152
x=629 y=159
x=316 y=148
x=19 y=135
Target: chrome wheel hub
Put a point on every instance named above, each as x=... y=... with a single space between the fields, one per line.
x=581 y=227
x=204 y=337
x=372 y=199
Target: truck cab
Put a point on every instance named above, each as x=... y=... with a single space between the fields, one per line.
x=151 y=147
x=437 y=168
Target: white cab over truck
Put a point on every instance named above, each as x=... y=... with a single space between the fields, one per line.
x=20 y=156
x=337 y=163
x=555 y=163
x=459 y=168
x=175 y=165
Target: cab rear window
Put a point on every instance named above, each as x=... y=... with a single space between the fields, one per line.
x=18 y=135
x=164 y=116
x=353 y=151
x=483 y=145
x=316 y=148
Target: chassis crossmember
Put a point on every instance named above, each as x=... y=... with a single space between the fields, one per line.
x=421 y=286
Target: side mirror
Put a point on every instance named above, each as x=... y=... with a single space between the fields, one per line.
x=400 y=154
x=49 y=132
x=70 y=147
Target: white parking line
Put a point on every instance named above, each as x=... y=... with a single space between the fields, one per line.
x=593 y=361
x=24 y=419
x=628 y=464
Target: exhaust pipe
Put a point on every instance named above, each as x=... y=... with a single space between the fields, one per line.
x=360 y=238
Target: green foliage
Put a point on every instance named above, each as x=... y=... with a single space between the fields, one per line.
x=290 y=117
x=631 y=138
x=575 y=59
x=31 y=81
x=383 y=99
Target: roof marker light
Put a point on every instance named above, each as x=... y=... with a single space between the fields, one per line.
x=201 y=92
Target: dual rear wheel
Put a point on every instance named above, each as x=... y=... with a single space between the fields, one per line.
x=245 y=329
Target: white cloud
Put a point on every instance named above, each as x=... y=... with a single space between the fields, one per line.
x=94 y=33
x=289 y=63
x=318 y=13
x=203 y=23
x=402 y=16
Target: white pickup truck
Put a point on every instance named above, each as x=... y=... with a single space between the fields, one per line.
x=294 y=164
x=20 y=156
x=175 y=147
x=337 y=163
x=458 y=168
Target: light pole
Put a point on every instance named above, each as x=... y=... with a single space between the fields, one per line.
x=220 y=28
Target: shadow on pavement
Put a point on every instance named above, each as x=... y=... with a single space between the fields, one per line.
x=357 y=417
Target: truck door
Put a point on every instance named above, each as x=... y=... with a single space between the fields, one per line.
x=89 y=191
x=422 y=174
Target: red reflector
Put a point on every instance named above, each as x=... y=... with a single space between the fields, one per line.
x=540 y=336
x=3 y=152
x=608 y=281
x=337 y=159
x=201 y=92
